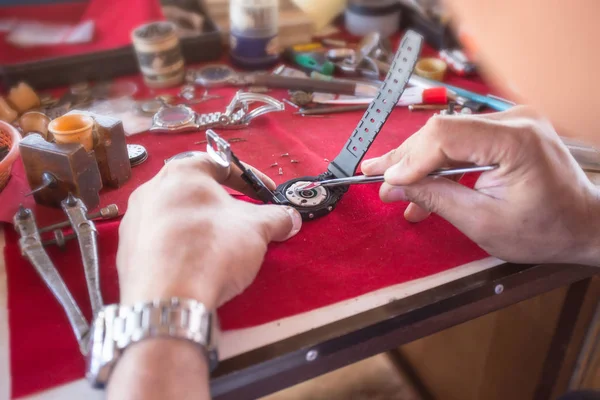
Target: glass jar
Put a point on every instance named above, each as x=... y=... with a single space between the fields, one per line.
x=253 y=30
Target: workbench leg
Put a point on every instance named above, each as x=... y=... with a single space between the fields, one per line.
x=407 y=370
x=562 y=336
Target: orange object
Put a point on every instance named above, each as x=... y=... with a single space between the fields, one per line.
x=73 y=128
x=23 y=98
x=431 y=68
x=34 y=122
x=9 y=136
x=6 y=112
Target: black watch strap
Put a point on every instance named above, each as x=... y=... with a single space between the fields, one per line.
x=345 y=164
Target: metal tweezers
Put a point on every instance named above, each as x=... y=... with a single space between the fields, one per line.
x=379 y=178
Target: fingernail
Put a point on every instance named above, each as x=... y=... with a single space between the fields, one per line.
x=396 y=193
x=296 y=221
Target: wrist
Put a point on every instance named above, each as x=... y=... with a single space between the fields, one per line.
x=205 y=291
x=160 y=368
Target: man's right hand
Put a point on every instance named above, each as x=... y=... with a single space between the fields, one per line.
x=537 y=206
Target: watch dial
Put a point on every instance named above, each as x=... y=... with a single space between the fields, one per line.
x=216 y=73
x=305 y=198
x=175 y=116
x=137 y=154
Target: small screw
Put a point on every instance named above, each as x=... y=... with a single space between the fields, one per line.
x=499 y=289
x=311 y=215
x=312 y=354
x=280 y=171
x=294 y=161
x=274 y=164
x=285 y=155
x=330 y=208
x=451 y=107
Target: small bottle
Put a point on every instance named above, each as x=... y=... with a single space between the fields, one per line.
x=254 y=25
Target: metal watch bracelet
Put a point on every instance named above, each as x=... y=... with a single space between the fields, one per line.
x=116 y=327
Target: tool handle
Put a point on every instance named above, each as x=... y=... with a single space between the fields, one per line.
x=305 y=84
x=332 y=110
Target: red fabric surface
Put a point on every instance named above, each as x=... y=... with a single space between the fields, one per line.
x=114 y=21
x=364 y=245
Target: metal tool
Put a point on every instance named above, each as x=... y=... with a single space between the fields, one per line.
x=86 y=236
x=48 y=180
x=359 y=179
x=332 y=110
x=218 y=75
x=372 y=53
x=32 y=249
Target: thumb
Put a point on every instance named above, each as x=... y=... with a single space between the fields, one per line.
x=457 y=204
x=279 y=223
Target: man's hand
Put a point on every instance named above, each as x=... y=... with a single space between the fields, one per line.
x=538 y=206
x=184 y=235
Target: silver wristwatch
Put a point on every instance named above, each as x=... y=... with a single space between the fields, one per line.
x=238 y=114
x=117 y=327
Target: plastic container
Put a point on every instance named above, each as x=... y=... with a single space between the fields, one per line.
x=73 y=128
x=253 y=33
x=159 y=54
x=9 y=136
x=367 y=16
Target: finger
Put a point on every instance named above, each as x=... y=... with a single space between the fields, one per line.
x=511 y=113
x=230 y=176
x=415 y=213
x=459 y=205
x=278 y=223
x=442 y=141
x=236 y=182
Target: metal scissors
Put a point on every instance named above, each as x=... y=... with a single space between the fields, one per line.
x=359 y=179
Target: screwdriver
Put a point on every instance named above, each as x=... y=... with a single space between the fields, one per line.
x=352 y=180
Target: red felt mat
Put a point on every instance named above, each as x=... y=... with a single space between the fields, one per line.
x=363 y=246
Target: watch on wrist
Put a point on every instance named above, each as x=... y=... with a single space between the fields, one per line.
x=116 y=327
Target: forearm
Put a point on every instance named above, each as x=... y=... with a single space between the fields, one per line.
x=160 y=369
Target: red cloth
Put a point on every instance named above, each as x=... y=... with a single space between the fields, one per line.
x=364 y=245
x=113 y=20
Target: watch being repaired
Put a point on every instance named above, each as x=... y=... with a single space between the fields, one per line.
x=315 y=202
